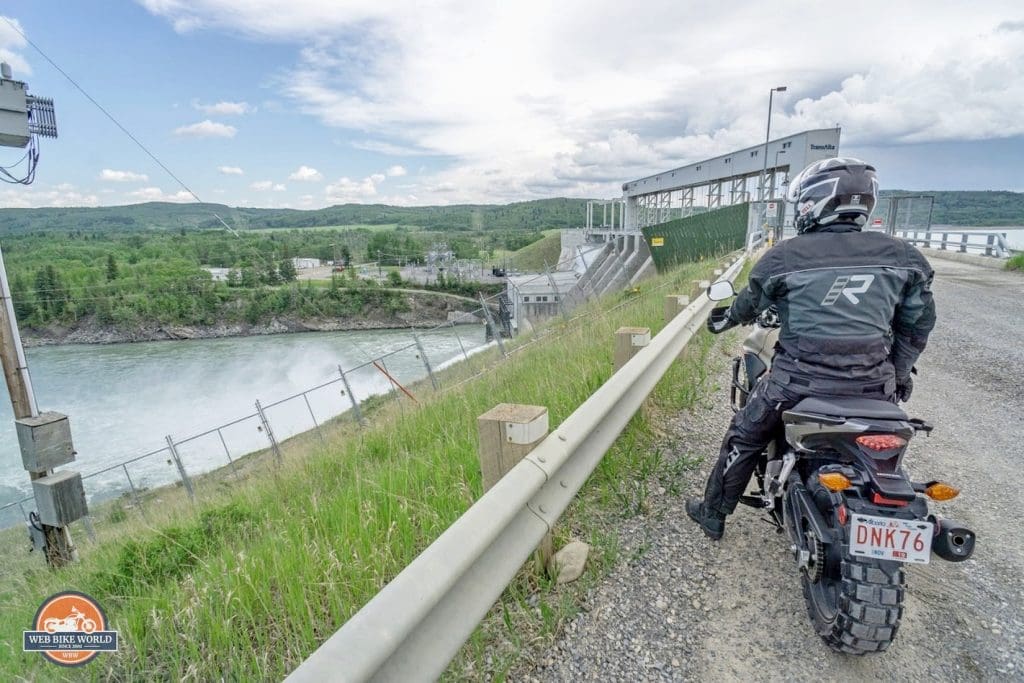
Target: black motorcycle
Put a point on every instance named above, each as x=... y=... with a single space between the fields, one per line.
x=833 y=480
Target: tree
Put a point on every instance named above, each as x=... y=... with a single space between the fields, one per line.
x=286 y=269
x=111 y=268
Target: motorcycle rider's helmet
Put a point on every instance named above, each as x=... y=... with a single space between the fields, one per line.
x=833 y=190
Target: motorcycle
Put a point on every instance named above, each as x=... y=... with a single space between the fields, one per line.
x=833 y=480
x=76 y=621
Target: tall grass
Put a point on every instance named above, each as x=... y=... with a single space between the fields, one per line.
x=253 y=583
x=1016 y=262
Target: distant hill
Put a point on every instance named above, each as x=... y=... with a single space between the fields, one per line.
x=540 y=214
x=952 y=208
x=973 y=208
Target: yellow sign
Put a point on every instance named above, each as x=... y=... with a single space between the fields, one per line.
x=657 y=241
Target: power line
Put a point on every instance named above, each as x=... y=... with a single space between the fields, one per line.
x=117 y=123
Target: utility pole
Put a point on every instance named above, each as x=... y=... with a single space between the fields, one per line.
x=44 y=438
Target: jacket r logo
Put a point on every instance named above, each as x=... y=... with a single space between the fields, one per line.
x=861 y=282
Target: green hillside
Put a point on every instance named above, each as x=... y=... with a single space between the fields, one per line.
x=540 y=214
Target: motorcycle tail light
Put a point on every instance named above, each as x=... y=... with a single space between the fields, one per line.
x=834 y=481
x=939 y=490
x=881 y=442
x=842 y=515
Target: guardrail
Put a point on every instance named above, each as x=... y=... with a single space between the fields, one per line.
x=983 y=243
x=416 y=624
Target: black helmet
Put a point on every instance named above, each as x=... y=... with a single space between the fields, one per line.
x=833 y=190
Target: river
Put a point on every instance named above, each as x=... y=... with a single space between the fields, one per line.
x=124 y=399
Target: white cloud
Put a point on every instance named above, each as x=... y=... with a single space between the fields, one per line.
x=306 y=174
x=123 y=176
x=32 y=196
x=10 y=43
x=346 y=191
x=224 y=108
x=267 y=186
x=207 y=129
x=155 y=194
x=396 y=171
x=230 y=170
x=567 y=113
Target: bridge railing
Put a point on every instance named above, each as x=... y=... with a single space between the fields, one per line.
x=983 y=243
x=416 y=624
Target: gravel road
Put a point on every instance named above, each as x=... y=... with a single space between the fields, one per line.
x=684 y=608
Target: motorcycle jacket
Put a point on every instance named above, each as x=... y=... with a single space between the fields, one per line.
x=856 y=308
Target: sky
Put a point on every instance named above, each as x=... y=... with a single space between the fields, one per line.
x=311 y=103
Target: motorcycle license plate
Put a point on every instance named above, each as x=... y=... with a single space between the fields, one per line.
x=884 y=538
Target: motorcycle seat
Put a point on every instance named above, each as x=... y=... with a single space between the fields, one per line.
x=836 y=406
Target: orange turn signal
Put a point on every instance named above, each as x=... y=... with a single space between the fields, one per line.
x=834 y=481
x=939 y=490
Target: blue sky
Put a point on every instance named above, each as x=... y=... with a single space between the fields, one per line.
x=318 y=102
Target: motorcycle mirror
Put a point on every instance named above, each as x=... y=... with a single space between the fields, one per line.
x=721 y=290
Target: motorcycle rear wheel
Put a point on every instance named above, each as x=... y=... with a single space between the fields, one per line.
x=860 y=611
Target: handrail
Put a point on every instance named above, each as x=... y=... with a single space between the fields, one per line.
x=983 y=243
x=416 y=624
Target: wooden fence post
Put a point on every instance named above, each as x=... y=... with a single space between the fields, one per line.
x=507 y=433
x=628 y=341
x=674 y=303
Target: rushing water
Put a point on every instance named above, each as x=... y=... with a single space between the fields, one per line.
x=124 y=399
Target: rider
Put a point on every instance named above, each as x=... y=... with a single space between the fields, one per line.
x=856 y=309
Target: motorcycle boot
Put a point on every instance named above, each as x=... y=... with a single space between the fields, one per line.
x=711 y=521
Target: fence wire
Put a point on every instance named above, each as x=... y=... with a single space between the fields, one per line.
x=406 y=371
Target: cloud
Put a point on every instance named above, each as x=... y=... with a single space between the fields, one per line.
x=10 y=42
x=306 y=174
x=224 y=108
x=123 y=176
x=230 y=170
x=396 y=171
x=345 y=191
x=64 y=195
x=207 y=129
x=155 y=194
x=386 y=148
x=567 y=113
x=267 y=186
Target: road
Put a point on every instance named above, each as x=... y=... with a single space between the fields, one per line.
x=684 y=608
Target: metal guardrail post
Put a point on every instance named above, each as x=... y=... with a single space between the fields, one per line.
x=495 y=332
x=426 y=361
x=351 y=397
x=269 y=432
x=181 y=468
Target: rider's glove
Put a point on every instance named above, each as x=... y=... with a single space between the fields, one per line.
x=719 y=321
x=904 y=388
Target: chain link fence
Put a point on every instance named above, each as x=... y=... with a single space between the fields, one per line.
x=399 y=370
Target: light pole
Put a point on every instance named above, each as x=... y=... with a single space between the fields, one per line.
x=767 y=135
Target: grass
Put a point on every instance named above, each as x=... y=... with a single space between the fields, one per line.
x=251 y=581
x=1016 y=263
x=541 y=254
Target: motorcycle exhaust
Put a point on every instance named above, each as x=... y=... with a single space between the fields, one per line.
x=953 y=541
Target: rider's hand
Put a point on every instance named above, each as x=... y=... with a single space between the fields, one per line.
x=904 y=388
x=719 y=321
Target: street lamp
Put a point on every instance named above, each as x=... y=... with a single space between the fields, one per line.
x=767 y=135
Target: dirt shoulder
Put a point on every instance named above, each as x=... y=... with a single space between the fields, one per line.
x=684 y=608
